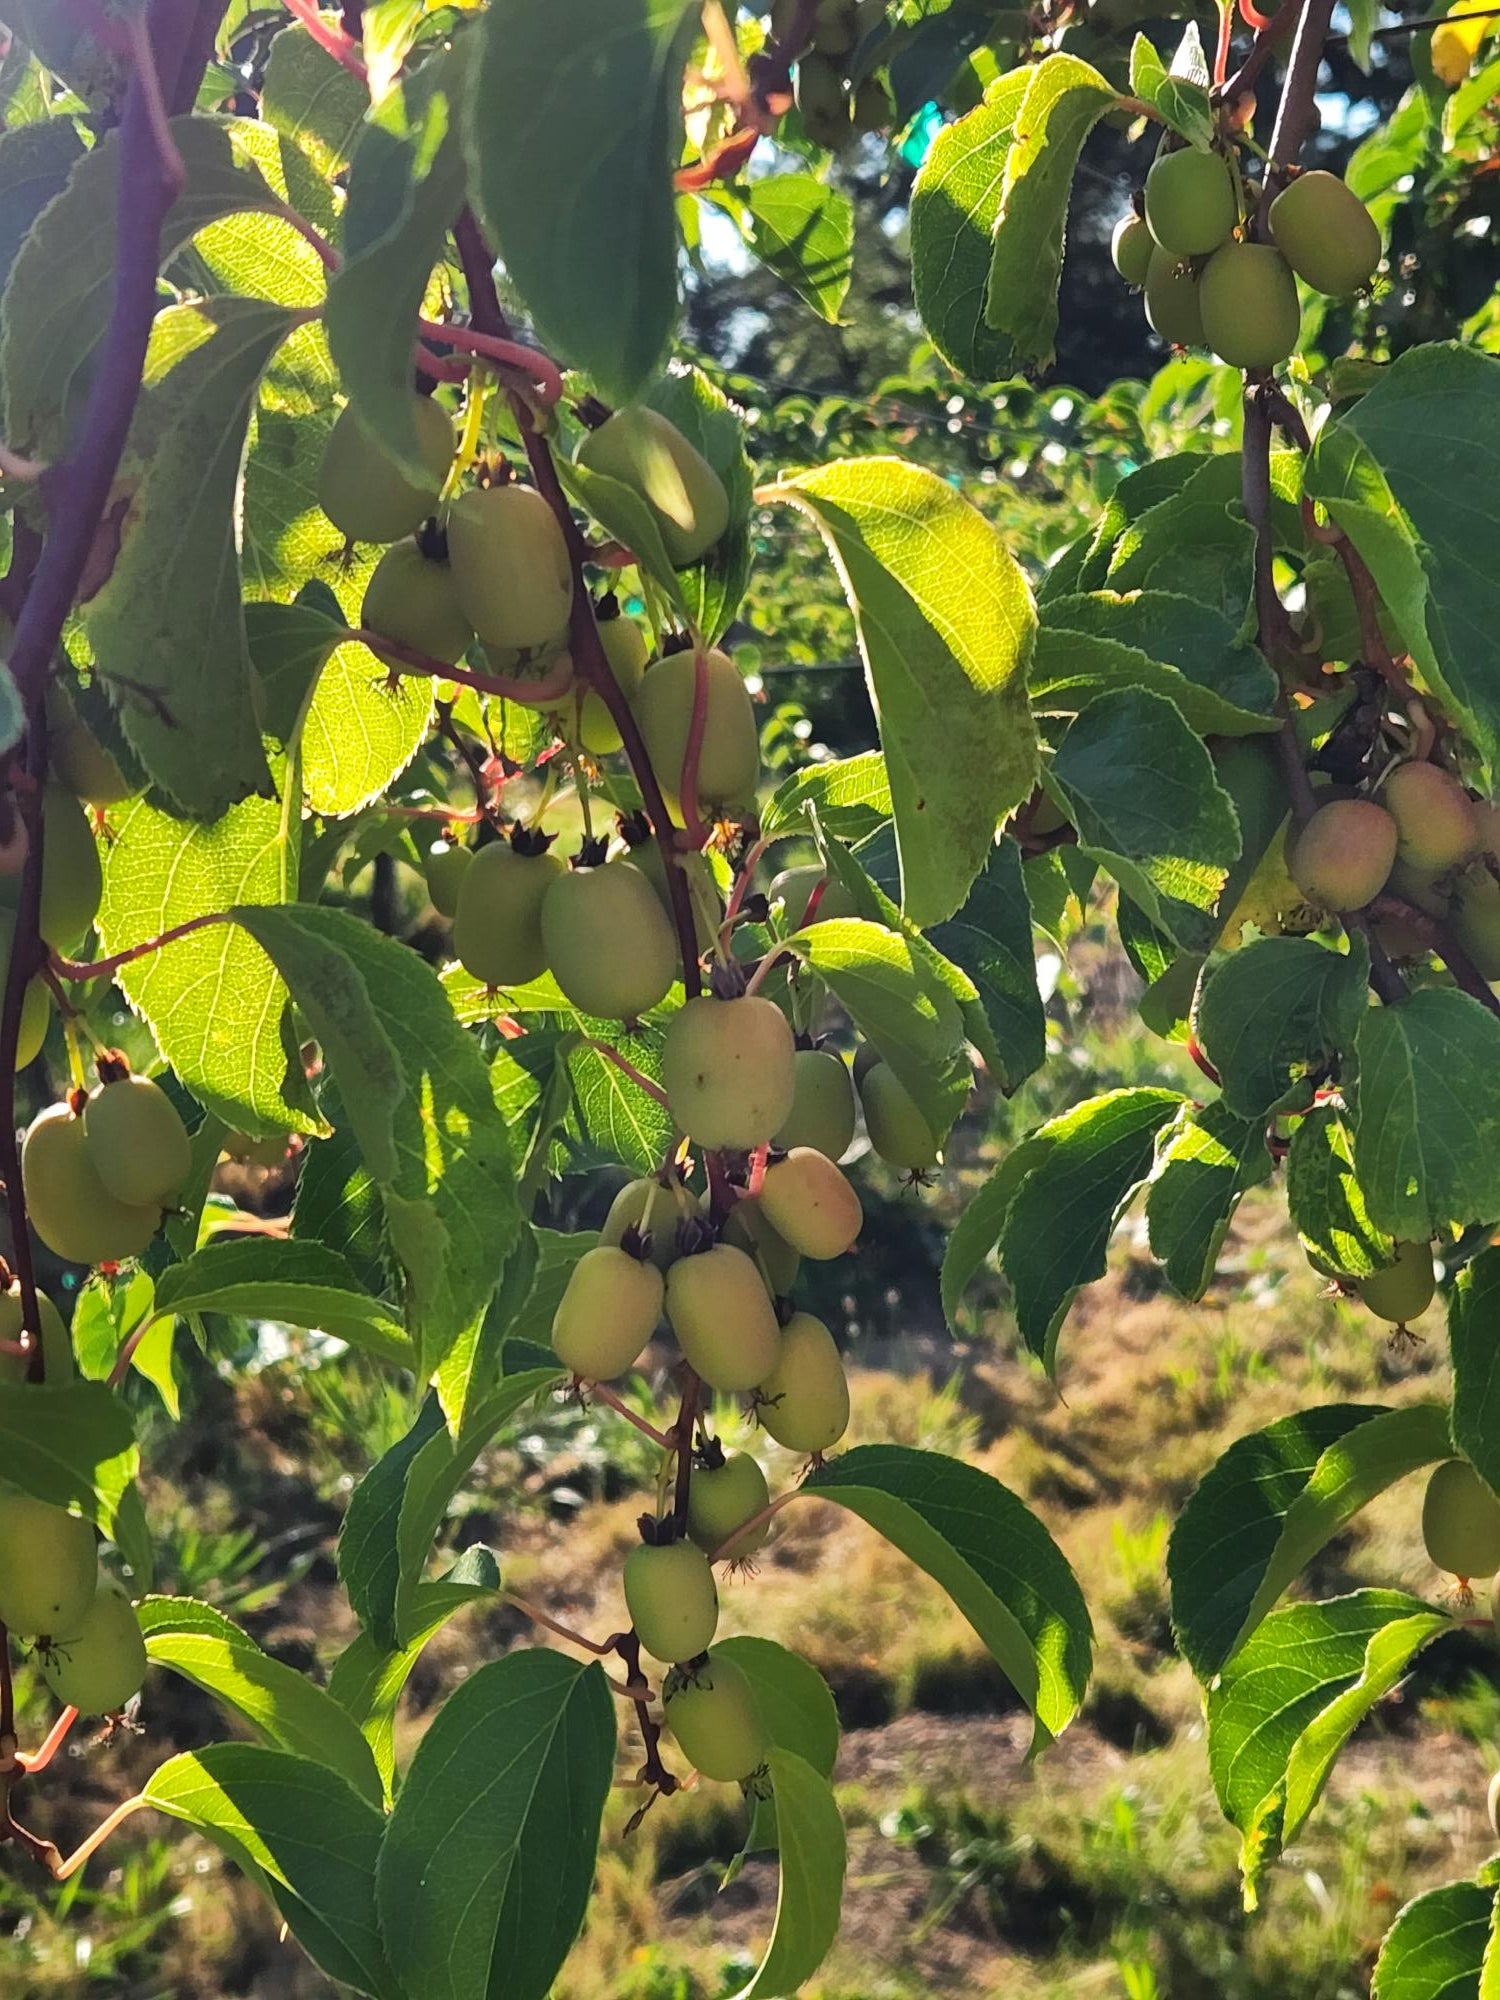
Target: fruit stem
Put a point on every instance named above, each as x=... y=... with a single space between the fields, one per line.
x=607 y=1396
x=539 y=370
x=743 y=880
x=682 y=1437
x=1261 y=51
x=755 y=1521
x=330 y=38
x=550 y=1624
x=34 y=1762
x=407 y=660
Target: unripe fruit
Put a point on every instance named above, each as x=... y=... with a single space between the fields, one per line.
x=137 y=1143
x=722 y=1316
x=1326 y=233
x=412 y=599
x=48 y=1567
x=36 y=1003
x=1172 y=305
x=1436 y=826
x=729 y=1069
x=655 y=1208
x=607 y=1313
x=1461 y=1521
x=1476 y=920
x=723 y=1498
x=1404 y=1288
x=729 y=756
x=1190 y=206
x=747 y=1229
x=827 y=114
x=1131 y=248
x=608 y=941
x=272 y=1152
x=793 y=889
x=444 y=867
x=715 y=1721
x=822 y=1113
x=804 y=1402
x=893 y=1118
x=873 y=109
x=866 y=1055
x=625 y=649
x=1429 y=889
x=807 y=1198
x=703 y=892
x=497 y=925
x=71 y=1209
x=511 y=565
x=672 y=1600
x=1487 y=819
x=72 y=880
x=57 y=1345
x=77 y=757
x=1343 y=855
x=1248 y=299
x=99 y=1667
x=364 y=492
x=646 y=452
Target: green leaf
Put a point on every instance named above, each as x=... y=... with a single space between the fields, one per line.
x=1155 y=640
x=317 y=106
x=1087 y=1167
x=1183 y=532
x=812 y=1848
x=1476 y=1363
x=306 y=1837
x=1437 y=1946
x=624 y=515
x=72 y=1446
x=1398 y=471
x=519 y=1315
x=284 y=1708
x=593 y=249
x=955 y=202
x=367 y=1681
x=1141 y=789
x=1065 y=98
x=298 y=1284
x=712 y=588
x=1276 y=1012
x=1326 y=1201
x=945 y=622
x=1286 y=1704
x=213 y=999
x=1272 y=1501
x=1205 y=1162
x=168 y=628
x=982 y=1223
x=406 y=184
x=851 y=797
x=990 y=940
x=488 y=1857
x=798 y=1712
x=418 y=1096
x=991 y=1555
x=360 y=732
x=1182 y=100
x=1424 y=1144
x=801 y=229
x=35 y=162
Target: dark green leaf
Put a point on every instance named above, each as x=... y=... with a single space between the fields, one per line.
x=1475 y=1352
x=72 y=1446
x=300 y=1284
x=1274 y=1013
x=1325 y=1200
x=1152 y=639
x=812 y=1852
x=1204 y=1165
x=801 y=229
x=1437 y=1946
x=990 y=939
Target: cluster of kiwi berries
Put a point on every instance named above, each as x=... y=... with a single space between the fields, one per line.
x=834 y=112
x=101 y=1168
x=1217 y=273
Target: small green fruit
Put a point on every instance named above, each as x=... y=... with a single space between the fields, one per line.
x=721 y=1499
x=654 y=1207
x=1436 y=825
x=444 y=867
x=1326 y=233
x=1343 y=855
x=703 y=892
x=511 y=565
x=1173 y=308
x=804 y=1402
x=72 y=880
x=729 y=755
x=364 y=492
x=608 y=941
x=70 y=1208
x=711 y=1710
x=497 y=924
x=793 y=889
x=1190 y=206
x=822 y=1113
x=48 y=1567
x=893 y=1118
x=722 y=1316
x=626 y=651
x=99 y=1667
x=645 y=451
x=810 y=1202
x=1404 y=1289
x=57 y=1344
x=1461 y=1521
x=672 y=1600
x=137 y=1143
x=729 y=1068
x=1248 y=298
x=607 y=1313
x=77 y=757
x=412 y=598
x=747 y=1229
x=36 y=1004
x=1476 y=919
x=1131 y=248
x=824 y=104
